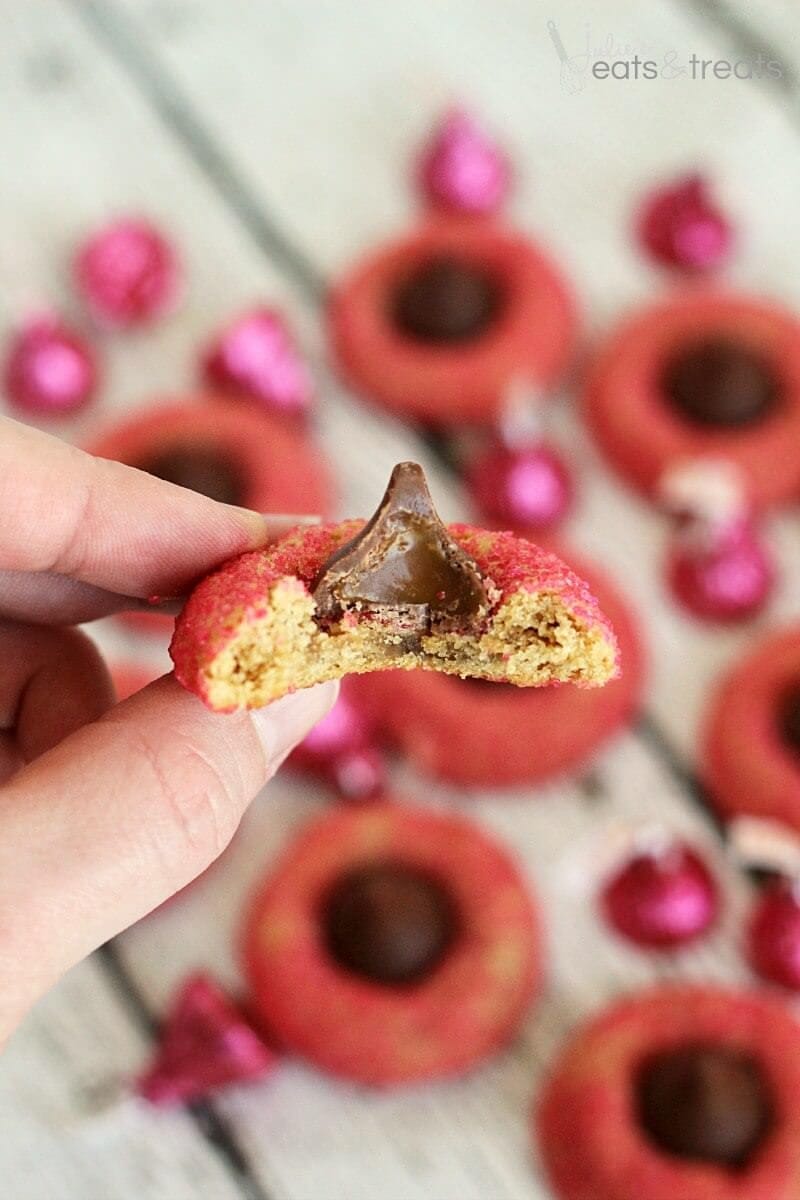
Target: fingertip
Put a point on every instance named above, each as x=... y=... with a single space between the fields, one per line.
x=256 y=525
x=266 y=527
x=280 y=726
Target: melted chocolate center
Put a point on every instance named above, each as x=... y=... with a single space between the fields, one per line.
x=789 y=718
x=202 y=469
x=389 y=923
x=403 y=565
x=445 y=300
x=705 y=1102
x=717 y=381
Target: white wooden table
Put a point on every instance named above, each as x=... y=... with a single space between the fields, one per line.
x=273 y=137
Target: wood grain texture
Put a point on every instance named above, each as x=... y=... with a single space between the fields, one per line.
x=769 y=28
x=67 y=1128
x=273 y=139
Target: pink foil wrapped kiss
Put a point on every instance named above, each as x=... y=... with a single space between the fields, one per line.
x=462 y=170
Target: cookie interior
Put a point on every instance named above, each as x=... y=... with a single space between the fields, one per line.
x=532 y=640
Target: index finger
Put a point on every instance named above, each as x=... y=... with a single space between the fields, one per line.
x=106 y=524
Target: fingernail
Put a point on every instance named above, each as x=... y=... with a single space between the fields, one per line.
x=285 y=722
x=293 y=518
x=283 y=522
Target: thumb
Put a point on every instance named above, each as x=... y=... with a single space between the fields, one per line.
x=120 y=815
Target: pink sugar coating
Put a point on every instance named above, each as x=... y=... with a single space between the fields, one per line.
x=640 y=433
x=515 y=564
x=533 y=336
x=50 y=369
x=381 y=1035
x=257 y=355
x=591 y=1145
x=681 y=226
x=128 y=273
x=206 y=1044
x=773 y=935
x=731 y=580
x=239 y=591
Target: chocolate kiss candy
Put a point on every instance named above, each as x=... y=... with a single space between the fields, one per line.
x=206 y=1043
x=718 y=567
x=201 y=468
x=705 y=1102
x=717 y=381
x=445 y=300
x=662 y=898
x=789 y=718
x=773 y=935
x=50 y=370
x=389 y=923
x=404 y=561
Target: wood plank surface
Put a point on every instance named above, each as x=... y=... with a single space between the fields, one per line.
x=273 y=139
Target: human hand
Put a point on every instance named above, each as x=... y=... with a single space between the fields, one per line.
x=106 y=811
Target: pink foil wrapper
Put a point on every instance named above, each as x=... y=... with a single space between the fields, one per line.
x=681 y=227
x=461 y=170
x=256 y=356
x=206 y=1044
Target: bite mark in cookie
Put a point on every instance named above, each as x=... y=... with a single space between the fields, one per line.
x=400 y=591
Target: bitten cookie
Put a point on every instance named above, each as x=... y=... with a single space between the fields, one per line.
x=751 y=741
x=401 y=590
x=703 y=374
x=681 y=1093
x=437 y=325
x=480 y=734
x=392 y=945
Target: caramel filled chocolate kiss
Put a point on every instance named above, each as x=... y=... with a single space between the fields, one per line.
x=404 y=565
x=705 y=1102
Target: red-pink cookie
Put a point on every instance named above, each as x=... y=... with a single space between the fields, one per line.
x=530 y=335
x=589 y=1123
x=750 y=758
x=267 y=466
x=252 y=631
x=643 y=432
x=489 y=735
x=470 y=997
